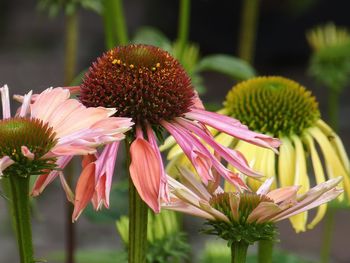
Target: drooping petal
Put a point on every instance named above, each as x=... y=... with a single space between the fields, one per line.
x=66 y=188
x=145 y=172
x=4 y=163
x=232 y=127
x=262 y=212
x=286 y=161
x=84 y=190
x=5 y=100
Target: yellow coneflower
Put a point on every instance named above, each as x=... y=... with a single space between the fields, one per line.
x=284 y=109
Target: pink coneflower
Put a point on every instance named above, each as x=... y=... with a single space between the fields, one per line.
x=147 y=84
x=243 y=218
x=46 y=134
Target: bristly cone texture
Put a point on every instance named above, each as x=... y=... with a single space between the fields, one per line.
x=140 y=81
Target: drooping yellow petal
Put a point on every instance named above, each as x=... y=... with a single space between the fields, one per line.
x=168 y=143
x=334 y=165
x=224 y=139
x=320 y=178
x=300 y=178
x=336 y=142
x=286 y=163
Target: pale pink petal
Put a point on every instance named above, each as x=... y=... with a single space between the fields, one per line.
x=104 y=172
x=164 y=190
x=145 y=172
x=64 y=150
x=43 y=180
x=26 y=104
x=84 y=190
x=285 y=193
x=74 y=90
x=5 y=99
x=265 y=187
x=66 y=188
x=233 y=128
x=27 y=153
x=184 y=208
x=263 y=211
x=5 y=162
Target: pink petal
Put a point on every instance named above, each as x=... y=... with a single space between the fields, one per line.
x=5 y=99
x=43 y=180
x=84 y=190
x=232 y=127
x=64 y=150
x=26 y=104
x=27 y=153
x=145 y=172
x=4 y=163
x=284 y=193
x=265 y=187
x=66 y=188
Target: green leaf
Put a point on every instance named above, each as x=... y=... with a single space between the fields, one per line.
x=231 y=66
x=151 y=36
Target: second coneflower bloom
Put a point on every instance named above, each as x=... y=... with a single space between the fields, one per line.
x=148 y=85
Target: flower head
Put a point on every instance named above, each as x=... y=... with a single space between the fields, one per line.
x=245 y=216
x=285 y=109
x=44 y=135
x=146 y=84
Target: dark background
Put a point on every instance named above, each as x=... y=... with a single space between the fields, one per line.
x=31 y=57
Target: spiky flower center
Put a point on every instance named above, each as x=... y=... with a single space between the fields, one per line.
x=37 y=136
x=140 y=81
x=238 y=229
x=273 y=105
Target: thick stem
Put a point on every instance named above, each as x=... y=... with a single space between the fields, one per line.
x=327 y=235
x=248 y=29
x=71 y=43
x=183 y=24
x=265 y=249
x=114 y=22
x=138 y=213
x=333 y=108
x=239 y=252
x=20 y=216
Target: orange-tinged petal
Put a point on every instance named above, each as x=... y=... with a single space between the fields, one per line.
x=145 y=172
x=84 y=191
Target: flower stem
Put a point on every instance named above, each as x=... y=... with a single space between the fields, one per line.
x=114 y=23
x=183 y=26
x=239 y=252
x=248 y=29
x=333 y=108
x=327 y=235
x=138 y=213
x=265 y=249
x=20 y=216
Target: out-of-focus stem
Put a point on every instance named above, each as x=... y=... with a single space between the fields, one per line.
x=265 y=249
x=239 y=252
x=70 y=64
x=183 y=24
x=248 y=29
x=327 y=235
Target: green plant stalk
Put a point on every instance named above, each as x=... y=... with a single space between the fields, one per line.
x=138 y=220
x=248 y=29
x=114 y=22
x=183 y=24
x=239 y=252
x=71 y=46
x=20 y=216
x=265 y=249
x=327 y=235
x=333 y=108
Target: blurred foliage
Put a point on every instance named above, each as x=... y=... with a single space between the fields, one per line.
x=190 y=59
x=91 y=256
x=166 y=243
x=219 y=252
x=69 y=7
x=330 y=61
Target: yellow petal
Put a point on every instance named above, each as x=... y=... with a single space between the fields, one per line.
x=286 y=160
x=224 y=139
x=168 y=143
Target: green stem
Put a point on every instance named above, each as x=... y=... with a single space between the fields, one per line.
x=20 y=216
x=138 y=213
x=114 y=23
x=71 y=44
x=184 y=24
x=333 y=108
x=265 y=249
x=248 y=29
x=327 y=235
x=239 y=252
